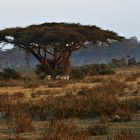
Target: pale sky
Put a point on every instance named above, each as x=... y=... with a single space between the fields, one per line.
x=121 y=16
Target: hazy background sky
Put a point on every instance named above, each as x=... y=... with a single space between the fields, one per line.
x=121 y=16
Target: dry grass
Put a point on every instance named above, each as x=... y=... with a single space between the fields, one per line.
x=124 y=135
x=98 y=129
x=20 y=121
x=104 y=99
x=60 y=130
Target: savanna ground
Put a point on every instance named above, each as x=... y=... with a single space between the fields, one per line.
x=99 y=107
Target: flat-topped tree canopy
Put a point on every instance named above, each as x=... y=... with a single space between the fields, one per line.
x=55 y=39
x=49 y=33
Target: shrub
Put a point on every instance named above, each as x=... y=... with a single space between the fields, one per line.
x=79 y=72
x=39 y=109
x=132 y=103
x=98 y=129
x=18 y=95
x=8 y=83
x=20 y=121
x=122 y=115
x=81 y=106
x=40 y=93
x=54 y=73
x=40 y=71
x=10 y=74
x=113 y=87
x=5 y=104
x=124 y=135
x=57 y=84
x=53 y=85
x=106 y=72
x=60 y=130
x=81 y=92
x=1 y=76
x=85 y=91
x=31 y=84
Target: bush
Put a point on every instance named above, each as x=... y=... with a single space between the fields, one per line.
x=85 y=91
x=105 y=72
x=122 y=115
x=1 y=76
x=60 y=130
x=124 y=135
x=57 y=84
x=40 y=93
x=112 y=87
x=20 y=121
x=8 y=83
x=39 y=110
x=18 y=95
x=79 y=72
x=31 y=84
x=54 y=73
x=40 y=71
x=87 y=105
x=83 y=106
x=132 y=103
x=98 y=129
x=5 y=104
x=10 y=74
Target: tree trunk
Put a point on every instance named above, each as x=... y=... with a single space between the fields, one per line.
x=67 y=63
x=46 y=66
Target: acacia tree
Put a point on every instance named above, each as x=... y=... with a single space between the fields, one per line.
x=52 y=44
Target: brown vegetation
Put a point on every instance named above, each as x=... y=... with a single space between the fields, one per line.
x=60 y=130
x=97 y=106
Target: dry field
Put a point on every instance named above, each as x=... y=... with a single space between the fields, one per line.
x=94 y=108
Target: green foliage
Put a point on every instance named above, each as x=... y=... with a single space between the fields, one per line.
x=48 y=33
x=40 y=71
x=79 y=72
x=132 y=61
x=53 y=43
x=106 y=72
x=54 y=73
x=1 y=75
x=9 y=74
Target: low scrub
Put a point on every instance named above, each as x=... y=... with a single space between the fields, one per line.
x=9 y=83
x=31 y=84
x=132 y=103
x=98 y=129
x=18 y=95
x=9 y=74
x=74 y=106
x=79 y=72
x=19 y=120
x=5 y=104
x=60 y=130
x=79 y=106
x=122 y=115
x=40 y=93
x=56 y=84
x=124 y=135
x=112 y=87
